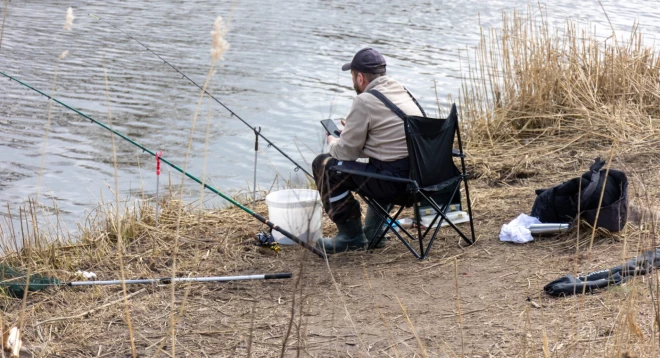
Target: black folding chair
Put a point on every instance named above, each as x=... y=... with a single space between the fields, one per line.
x=434 y=179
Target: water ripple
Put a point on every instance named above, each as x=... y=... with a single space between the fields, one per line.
x=282 y=73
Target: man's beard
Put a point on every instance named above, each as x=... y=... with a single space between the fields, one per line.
x=357 y=89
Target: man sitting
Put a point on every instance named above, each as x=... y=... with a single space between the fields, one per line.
x=371 y=130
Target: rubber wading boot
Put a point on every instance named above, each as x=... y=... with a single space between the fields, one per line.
x=375 y=225
x=349 y=237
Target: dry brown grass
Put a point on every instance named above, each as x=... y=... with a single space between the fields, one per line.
x=329 y=311
x=533 y=91
x=212 y=243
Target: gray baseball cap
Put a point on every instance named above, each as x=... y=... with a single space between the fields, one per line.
x=366 y=60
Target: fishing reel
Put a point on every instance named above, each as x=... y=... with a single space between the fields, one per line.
x=266 y=239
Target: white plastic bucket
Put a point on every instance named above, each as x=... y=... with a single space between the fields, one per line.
x=297 y=211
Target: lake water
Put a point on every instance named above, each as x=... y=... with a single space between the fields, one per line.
x=282 y=73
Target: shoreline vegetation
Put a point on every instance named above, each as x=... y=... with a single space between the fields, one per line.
x=538 y=104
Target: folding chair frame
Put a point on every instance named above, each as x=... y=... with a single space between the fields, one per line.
x=418 y=193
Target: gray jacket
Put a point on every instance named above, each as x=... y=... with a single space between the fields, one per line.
x=373 y=130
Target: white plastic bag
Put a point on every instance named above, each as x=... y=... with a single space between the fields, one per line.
x=86 y=275
x=518 y=229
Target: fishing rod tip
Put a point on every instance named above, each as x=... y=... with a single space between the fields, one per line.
x=94 y=16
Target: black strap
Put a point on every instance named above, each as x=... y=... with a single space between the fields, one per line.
x=393 y=107
x=389 y=104
x=589 y=190
x=417 y=103
x=593 y=184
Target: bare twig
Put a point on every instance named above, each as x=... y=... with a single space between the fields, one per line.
x=412 y=328
x=95 y=309
x=458 y=307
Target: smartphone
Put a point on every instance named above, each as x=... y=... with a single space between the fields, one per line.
x=331 y=127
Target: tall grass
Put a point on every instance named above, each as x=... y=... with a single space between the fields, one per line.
x=529 y=85
x=117 y=223
x=218 y=47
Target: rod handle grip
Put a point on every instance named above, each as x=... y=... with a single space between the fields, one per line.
x=273 y=276
x=289 y=235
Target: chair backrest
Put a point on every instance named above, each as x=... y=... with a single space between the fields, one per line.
x=430 y=142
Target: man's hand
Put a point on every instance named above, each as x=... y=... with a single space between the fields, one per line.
x=331 y=139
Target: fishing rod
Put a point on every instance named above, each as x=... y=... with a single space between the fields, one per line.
x=15 y=282
x=168 y=280
x=205 y=185
x=53 y=282
x=233 y=114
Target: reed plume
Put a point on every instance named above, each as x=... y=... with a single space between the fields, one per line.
x=220 y=45
x=68 y=23
x=69 y=19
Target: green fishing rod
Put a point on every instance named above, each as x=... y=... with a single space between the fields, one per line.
x=214 y=190
x=233 y=114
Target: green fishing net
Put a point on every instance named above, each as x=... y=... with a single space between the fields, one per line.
x=13 y=282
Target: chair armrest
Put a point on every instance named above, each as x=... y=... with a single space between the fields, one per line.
x=339 y=168
x=456 y=153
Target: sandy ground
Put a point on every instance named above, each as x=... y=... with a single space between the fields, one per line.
x=480 y=301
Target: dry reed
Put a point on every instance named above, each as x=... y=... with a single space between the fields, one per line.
x=412 y=328
x=117 y=223
x=132 y=231
x=4 y=19
x=533 y=89
x=458 y=307
x=218 y=47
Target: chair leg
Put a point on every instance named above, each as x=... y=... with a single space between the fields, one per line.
x=442 y=214
x=469 y=205
x=460 y=233
x=406 y=243
x=423 y=251
x=418 y=223
x=467 y=189
x=433 y=237
x=392 y=219
x=444 y=209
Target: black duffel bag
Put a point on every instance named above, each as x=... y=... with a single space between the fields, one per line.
x=559 y=204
